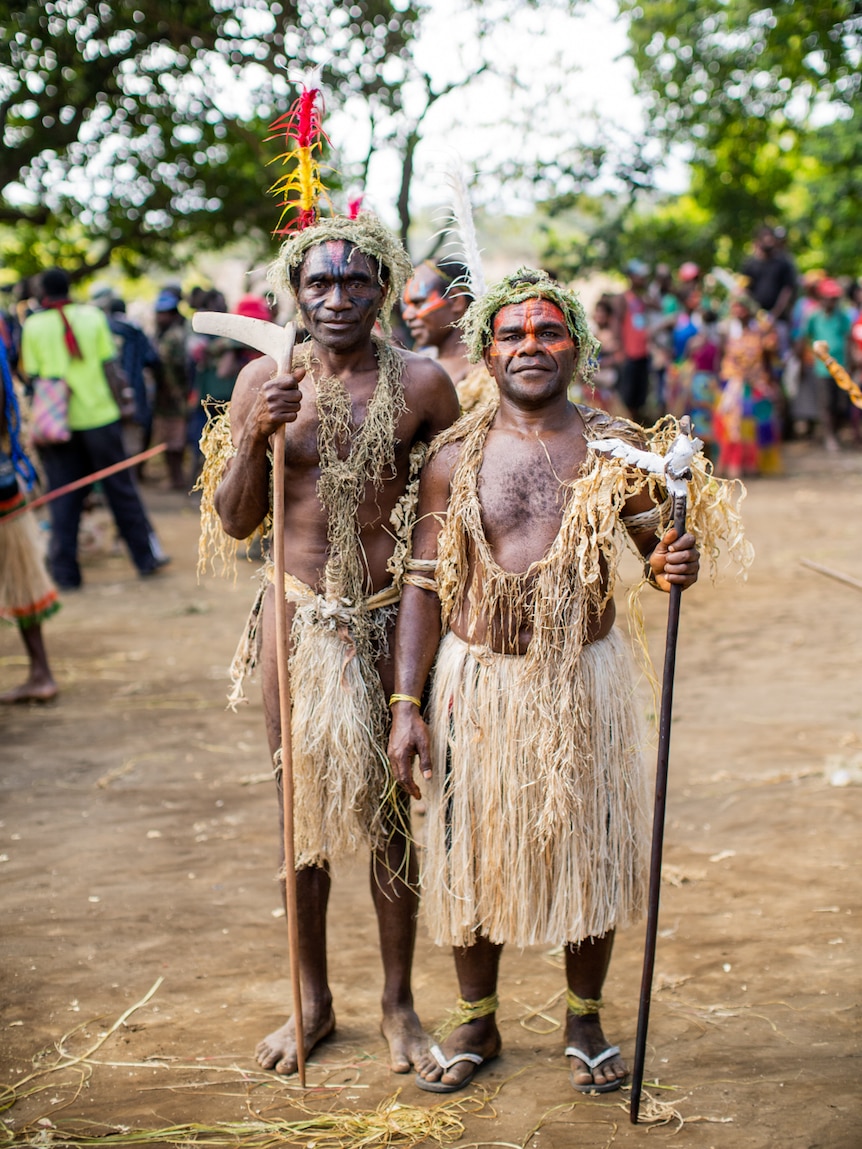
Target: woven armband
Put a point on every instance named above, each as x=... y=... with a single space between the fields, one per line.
x=655 y=519
x=414 y=575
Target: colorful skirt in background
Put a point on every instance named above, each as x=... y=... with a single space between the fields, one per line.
x=27 y=595
x=690 y=391
x=747 y=431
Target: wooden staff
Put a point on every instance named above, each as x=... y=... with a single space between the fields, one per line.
x=676 y=471
x=679 y=509
x=282 y=639
x=87 y=480
x=277 y=342
x=838 y=373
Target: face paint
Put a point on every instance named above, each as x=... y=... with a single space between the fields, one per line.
x=339 y=293
x=536 y=319
x=532 y=350
x=540 y=313
x=421 y=302
x=427 y=310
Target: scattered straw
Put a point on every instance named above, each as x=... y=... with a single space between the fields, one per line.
x=671 y=981
x=391 y=1124
x=552 y=1117
x=676 y=876
x=527 y=1020
x=653 y=1112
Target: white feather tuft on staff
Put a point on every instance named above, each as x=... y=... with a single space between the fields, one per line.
x=464 y=245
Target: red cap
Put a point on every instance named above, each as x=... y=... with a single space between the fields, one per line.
x=254 y=307
x=688 y=272
x=829 y=289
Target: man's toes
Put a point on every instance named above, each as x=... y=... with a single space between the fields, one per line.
x=265 y=1056
x=613 y=1070
x=581 y=1075
x=286 y=1066
x=428 y=1069
x=458 y=1073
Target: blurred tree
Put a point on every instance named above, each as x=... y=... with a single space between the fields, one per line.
x=821 y=208
x=131 y=128
x=740 y=85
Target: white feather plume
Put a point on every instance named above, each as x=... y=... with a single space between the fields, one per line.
x=464 y=244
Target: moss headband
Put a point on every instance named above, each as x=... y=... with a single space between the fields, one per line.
x=477 y=323
x=367 y=234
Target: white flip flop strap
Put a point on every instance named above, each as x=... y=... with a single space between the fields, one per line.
x=591 y=1062
x=447 y=1063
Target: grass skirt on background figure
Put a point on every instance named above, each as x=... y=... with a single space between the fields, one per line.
x=500 y=859
x=27 y=594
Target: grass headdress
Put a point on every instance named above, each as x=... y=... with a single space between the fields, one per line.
x=302 y=190
x=477 y=323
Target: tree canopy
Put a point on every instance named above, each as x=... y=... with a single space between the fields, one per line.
x=133 y=127
x=753 y=93
x=133 y=130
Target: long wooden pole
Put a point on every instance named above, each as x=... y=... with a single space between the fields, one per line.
x=284 y=709
x=76 y=485
x=679 y=510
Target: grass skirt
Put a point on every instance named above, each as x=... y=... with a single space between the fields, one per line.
x=339 y=720
x=27 y=595
x=495 y=863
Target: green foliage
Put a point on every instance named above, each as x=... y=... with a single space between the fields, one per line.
x=705 y=65
x=142 y=127
x=741 y=85
x=822 y=206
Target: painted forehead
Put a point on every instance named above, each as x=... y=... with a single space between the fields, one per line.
x=528 y=313
x=337 y=257
x=425 y=282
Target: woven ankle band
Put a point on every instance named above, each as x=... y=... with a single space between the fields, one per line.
x=465 y=1011
x=582 y=1006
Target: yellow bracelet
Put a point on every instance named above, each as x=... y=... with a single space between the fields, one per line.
x=405 y=698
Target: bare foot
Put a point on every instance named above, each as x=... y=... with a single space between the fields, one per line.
x=277 y=1051
x=31 y=692
x=480 y=1036
x=585 y=1033
x=408 y=1041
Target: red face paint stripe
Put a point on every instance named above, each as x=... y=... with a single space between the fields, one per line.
x=434 y=302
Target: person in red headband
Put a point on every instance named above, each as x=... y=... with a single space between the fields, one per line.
x=831 y=323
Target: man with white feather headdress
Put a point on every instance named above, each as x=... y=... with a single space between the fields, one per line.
x=438 y=294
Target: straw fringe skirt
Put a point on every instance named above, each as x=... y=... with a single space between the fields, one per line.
x=27 y=595
x=493 y=864
x=339 y=725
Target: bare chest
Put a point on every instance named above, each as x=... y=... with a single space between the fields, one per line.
x=523 y=488
x=371 y=463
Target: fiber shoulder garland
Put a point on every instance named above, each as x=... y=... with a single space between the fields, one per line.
x=565 y=590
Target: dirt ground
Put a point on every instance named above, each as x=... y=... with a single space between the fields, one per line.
x=143 y=949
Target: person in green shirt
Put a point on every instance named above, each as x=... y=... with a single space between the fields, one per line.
x=73 y=341
x=831 y=323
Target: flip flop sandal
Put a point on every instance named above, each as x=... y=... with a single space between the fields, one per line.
x=447 y=1063
x=593 y=1063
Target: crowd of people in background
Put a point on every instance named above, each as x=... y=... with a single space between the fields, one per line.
x=735 y=353
x=172 y=372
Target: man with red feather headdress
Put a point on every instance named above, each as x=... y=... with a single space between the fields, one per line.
x=358 y=414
